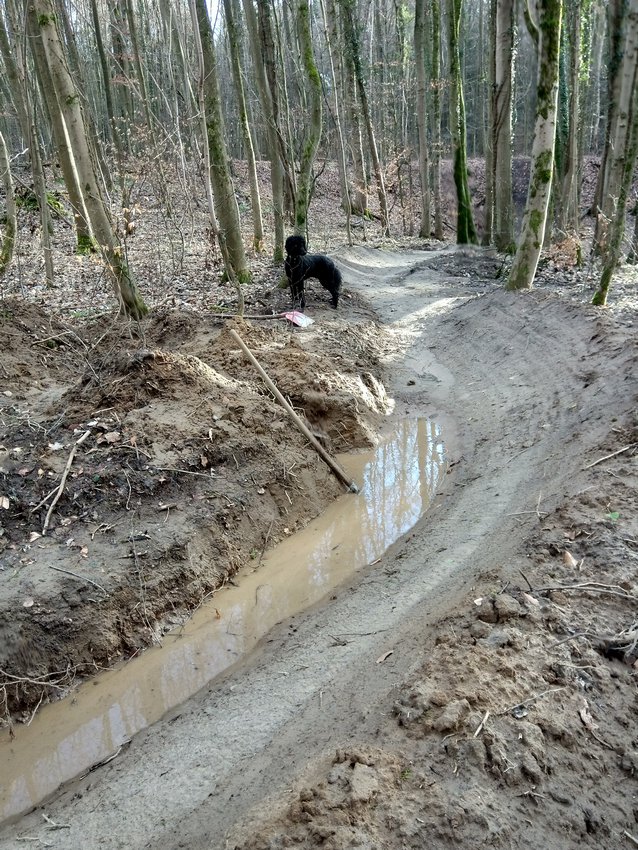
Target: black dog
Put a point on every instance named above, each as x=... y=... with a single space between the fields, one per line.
x=300 y=265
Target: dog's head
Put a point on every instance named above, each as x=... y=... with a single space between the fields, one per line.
x=296 y=246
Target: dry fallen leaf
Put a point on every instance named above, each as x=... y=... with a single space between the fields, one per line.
x=84 y=551
x=28 y=602
x=569 y=560
x=585 y=716
x=55 y=447
x=34 y=536
x=4 y=503
x=385 y=655
x=113 y=437
x=531 y=600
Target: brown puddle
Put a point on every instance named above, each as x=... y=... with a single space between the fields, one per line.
x=398 y=481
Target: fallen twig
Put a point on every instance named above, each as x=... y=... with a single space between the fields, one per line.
x=530 y=699
x=630 y=837
x=481 y=724
x=82 y=578
x=613 y=454
x=16 y=680
x=594 y=586
x=76 y=445
x=527 y=580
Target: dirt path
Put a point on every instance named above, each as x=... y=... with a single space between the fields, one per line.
x=524 y=387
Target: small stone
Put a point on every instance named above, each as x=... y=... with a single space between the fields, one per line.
x=506 y=607
x=451 y=716
x=363 y=783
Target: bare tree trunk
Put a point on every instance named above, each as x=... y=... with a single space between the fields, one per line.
x=571 y=179
x=216 y=232
x=223 y=190
x=276 y=167
x=436 y=118
x=353 y=47
x=43 y=21
x=255 y=199
x=360 y=180
x=121 y=52
x=502 y=129
x=422 y=116
x=624 y=40
x=488 y=223
x=9 y=219
x=533 y=231
x=465 y=230
x=313 y=132
x=84 y=237
x=15 y=82
x=40 y=189
x=331 y=37
x=617 y=226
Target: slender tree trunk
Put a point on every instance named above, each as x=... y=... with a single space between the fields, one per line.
x=120 y=54
x=216 y=232
x=436 y=118
x=276 y=167
x=15 y=81
x=40 y=189
x=465 y=230
x=571 y=178
x=313 y=131
x=9 y=219
x=43 y=20
x=330 y=34
x=224 y=192
x=502 y=128
x=353 y=47
x=139 y=71
x=625 y=43
x=269 y=56
x=617 y=227
x=488 y=224
x=422 y=115
x=255 y=199
x=535 y=218
x=84 y=237
x=360 y=180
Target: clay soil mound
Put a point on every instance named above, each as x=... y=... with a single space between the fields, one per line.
x=151 y=469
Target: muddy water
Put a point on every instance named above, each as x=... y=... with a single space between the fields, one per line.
x=397 y=480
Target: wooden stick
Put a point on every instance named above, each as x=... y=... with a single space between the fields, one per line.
x=63 y=481
x=249 y=316
x=77 y=575
x=334 y=466
x=607 y=457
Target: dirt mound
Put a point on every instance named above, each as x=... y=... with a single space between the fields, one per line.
x=331 y=384
x=144 y=486
x=41 y=346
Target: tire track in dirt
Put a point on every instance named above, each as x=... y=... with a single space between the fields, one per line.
x=506 y=381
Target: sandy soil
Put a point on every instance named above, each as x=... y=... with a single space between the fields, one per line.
x=476 y=686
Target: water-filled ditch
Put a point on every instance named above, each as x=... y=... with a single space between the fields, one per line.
x=398 y=480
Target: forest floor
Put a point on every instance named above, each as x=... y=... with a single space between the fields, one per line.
x=475 y=684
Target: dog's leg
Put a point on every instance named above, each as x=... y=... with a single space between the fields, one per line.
x=297 y=292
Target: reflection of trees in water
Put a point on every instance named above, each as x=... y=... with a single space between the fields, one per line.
x=398 y=485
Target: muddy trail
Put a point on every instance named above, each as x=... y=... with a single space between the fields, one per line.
x=475 y=683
